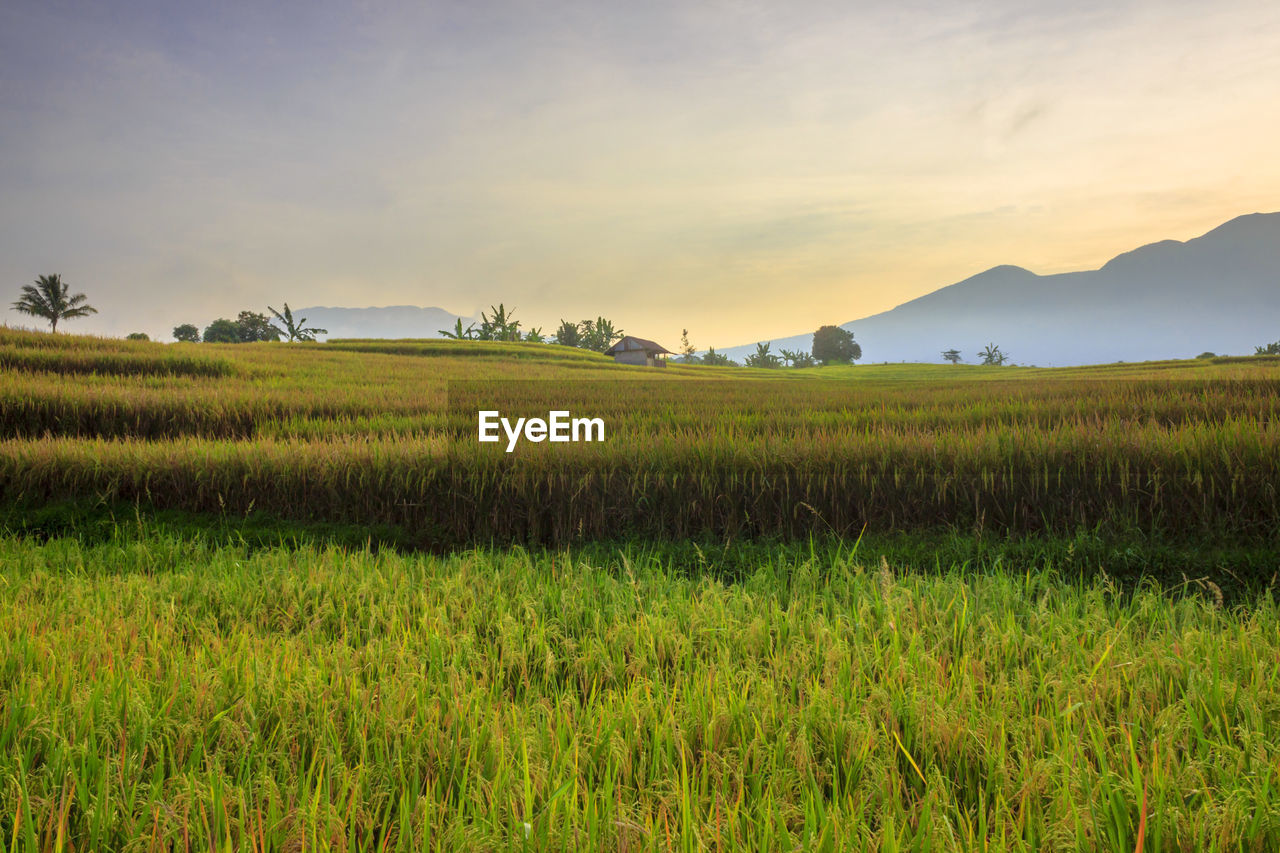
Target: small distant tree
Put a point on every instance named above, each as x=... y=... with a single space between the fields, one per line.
x=718 y=359
x=187 y=333
x=761 y=357
x=834 y=345
x=992 y=355
x=222 y=331
x=535 y=336
x=499 y=325
x=50 y=300
x=568 y=335
x=137 y=336
x=687 y=350
x=295 y=331
x=951 y=355
x=1269 y=349
x=458 y=333
x=1207 y=354
x=598 y=334
x=256 y=327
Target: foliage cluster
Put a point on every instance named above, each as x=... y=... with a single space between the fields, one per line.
x=835 y=345
x=499 y=324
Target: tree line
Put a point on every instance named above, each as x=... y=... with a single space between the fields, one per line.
x=499 y=324
x=831 y=345
x=50 y=299
x=250 y=327
x=990 y=355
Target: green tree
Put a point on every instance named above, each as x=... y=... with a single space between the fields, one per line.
x=502 y=326
x=458 y=333
x=137 y=336
x=255 y=327
x=1269 y=349
x=222 y=331
x=534 y=335
x=718 y=359
x=834 y=345
x=797 y=358
x=1207 y=354
x=992 y=355
x=761 y=357
x=598 y=334
x=951 y=355
x=568 y=335
x=295 y=331
x=187 y=333
x=688 y=353
x=49 y=299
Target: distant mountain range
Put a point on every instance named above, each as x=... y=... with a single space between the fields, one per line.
x=393 y=321
x=1219 y=292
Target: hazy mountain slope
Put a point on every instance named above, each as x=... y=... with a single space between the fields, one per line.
x=392 y=321
x=1218 y=292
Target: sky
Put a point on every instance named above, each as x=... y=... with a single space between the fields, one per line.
x=745 y=170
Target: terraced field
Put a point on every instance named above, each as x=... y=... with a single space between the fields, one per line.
x=277 y=597
x=363 y=433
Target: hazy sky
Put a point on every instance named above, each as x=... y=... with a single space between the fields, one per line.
x=745 y=169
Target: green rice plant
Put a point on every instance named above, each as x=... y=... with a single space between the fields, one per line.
x=160 y=363
x=172 y=693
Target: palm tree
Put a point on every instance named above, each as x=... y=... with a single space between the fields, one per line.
x=761 y=357
x=568 y=335
x=48 y=298
x=295 y=331
x=599 y=334
x=501 y=326
x=459 y=333
x=993 y=355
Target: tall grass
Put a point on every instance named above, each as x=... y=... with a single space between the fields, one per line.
x=385 y=435
x=1187 y=480
x=167 y=694
x=30 y=359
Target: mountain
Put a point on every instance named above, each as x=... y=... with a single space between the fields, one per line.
x=1219 y=292
x=392 y=321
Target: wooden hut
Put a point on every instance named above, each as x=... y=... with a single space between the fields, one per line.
x=633 y=350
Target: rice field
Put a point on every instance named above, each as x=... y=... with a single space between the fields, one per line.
x=376 y=433
x=887 y=607
x=170 y=695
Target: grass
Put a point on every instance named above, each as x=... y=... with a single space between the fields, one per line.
x=170 y=693
x=379 y=434
x=274 y=597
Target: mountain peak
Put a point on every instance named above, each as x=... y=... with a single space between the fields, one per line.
x=1004 y=279
x=1151 y=253
x=1167 y=299
x=1247 y=226
x=1004 y=270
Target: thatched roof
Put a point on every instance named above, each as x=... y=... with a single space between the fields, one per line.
x=631 y=343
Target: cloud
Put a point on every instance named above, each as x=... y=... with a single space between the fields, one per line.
x=760 y=164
